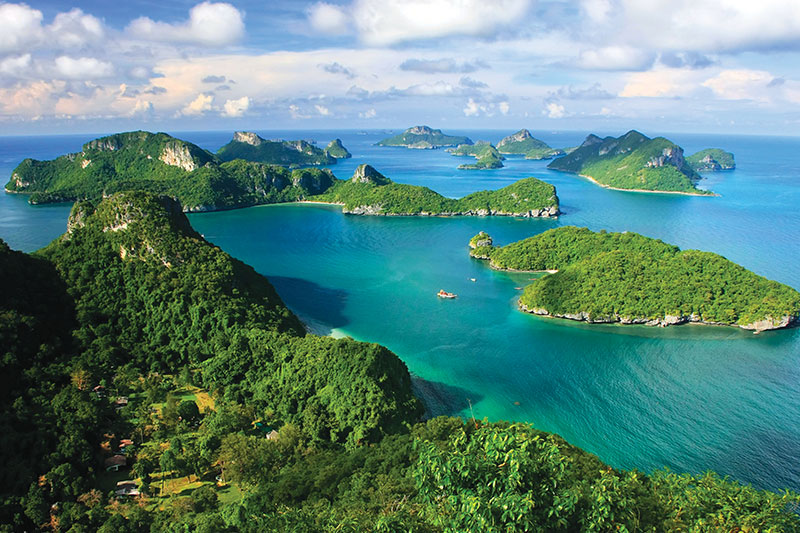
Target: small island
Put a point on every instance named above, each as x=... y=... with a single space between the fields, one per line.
x=627 y=278
x=711 y=160
x=369 y=192
x=486 y=155
x=251 y=147
x=524 y=143
x=424 y=138
x=632 y=162
x=337 y=150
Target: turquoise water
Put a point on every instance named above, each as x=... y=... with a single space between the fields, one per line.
x=691 y=397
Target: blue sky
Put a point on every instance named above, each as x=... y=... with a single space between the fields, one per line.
x=590 y=65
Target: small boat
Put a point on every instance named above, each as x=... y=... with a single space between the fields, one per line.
x=473 y=279
x=518 y=288
x=444 y=294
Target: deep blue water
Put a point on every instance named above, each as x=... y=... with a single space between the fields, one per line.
x=692 y=398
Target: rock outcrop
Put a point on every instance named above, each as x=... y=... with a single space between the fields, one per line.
x=367 y=174
x=177 y=154
x=247 y=137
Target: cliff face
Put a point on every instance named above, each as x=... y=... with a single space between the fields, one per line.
x=672 y=155
x=177 y=154
x=367 y=174
x=247 y=137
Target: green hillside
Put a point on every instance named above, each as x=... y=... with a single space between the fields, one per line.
x=632 y=161
x=711 y=159
x=629 y=278
x=423 y=137
x=250 y=147
x=522 y=142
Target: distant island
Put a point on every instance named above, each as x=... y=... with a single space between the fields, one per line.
x=337 y=150
x=631 y=279
x=424 y=138
x=162 y=164
x=711 y=160
x=369 y=192
x=525 y=144
x=486 y=155
x=251 y=147
x=632 y=162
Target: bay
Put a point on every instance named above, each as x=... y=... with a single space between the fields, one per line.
x=692 y=397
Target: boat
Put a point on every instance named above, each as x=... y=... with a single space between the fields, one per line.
x=444 y=294
x=517 y=288
x=472 y=279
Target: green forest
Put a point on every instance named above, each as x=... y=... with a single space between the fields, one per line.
x=523 y=143
x=626 y=276
x=424 y=137
x=369 y=192
x=131 y=336
x=251 y=147
x=632 y=161
x=485 y=154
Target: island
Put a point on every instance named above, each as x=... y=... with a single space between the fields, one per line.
x=337 y=150
x=486 y=155
x=162 y=164
x=368 y=192
x=711 y=160
x=627 y=278
x=251 y=147
x=525 y=144
x=632 y=162
x=152 y=382
x=424 y=138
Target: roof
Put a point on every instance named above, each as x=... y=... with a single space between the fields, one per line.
x=119 y=460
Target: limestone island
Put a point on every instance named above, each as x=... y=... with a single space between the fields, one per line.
x=251 y=147
x=424 y=138
x=486 y=155
x=369 y=192
x=711 y=160
x=162 y=164
x=337 y=150
x=523 y=143
x=632 y=162
x=627 y=278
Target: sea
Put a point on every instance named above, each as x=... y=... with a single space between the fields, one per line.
x=690 y=398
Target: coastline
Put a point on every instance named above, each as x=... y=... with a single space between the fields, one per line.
x=680 y=193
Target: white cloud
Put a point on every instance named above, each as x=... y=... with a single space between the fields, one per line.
x=740 y=84
x=75 y=29
x=15 y=66
x=141 y=108
x=294 y=112
x=20 y=26
x=554 y=110
x=661 y=83
x=322 y=110
x=369 y=113
x=209 y=24
x=199 y=105
x=328 y=18
x=504 y=107
x=615 y=58
x=236 y=108
x=386 y=22
x=82 y=68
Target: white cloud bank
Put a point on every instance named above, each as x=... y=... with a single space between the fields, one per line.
x=209 y=24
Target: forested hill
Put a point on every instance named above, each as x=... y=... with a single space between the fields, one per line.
x=250 y=147
x=368 y=192
x=161 y=164
x=130 y=337
x=629 y=278
x=632 y=161
x=423 y=137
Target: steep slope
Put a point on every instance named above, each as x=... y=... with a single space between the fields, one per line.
x=162 y=164
x=522 y=142
x=633 y=162
x=250 y=147
x=711 y=159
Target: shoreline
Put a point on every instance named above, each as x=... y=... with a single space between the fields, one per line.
x=609 y=187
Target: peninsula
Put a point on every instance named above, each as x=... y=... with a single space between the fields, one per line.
x=424 y=138
x=486 y=155
x=632 y=162
x=251 y=147
x=368 y=192
x=524 y=143
x=631 y=279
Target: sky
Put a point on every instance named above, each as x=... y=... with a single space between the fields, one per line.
x=715 y=66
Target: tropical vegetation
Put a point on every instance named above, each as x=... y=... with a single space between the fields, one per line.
x=522 y=142
x=424 y=137
x=626 y=277
x=711 y=159
x=486 y=155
